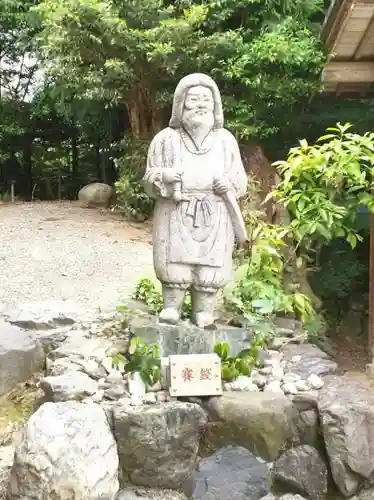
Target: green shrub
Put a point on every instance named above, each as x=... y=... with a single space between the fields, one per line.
x=132 y=199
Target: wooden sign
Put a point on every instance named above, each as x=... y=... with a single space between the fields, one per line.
x=195 y=375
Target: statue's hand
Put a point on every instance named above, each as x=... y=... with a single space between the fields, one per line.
x=171 y=175
x=221 y=186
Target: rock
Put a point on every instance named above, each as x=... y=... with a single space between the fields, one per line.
x=186 y=338
x=69 y=386
x=302 y=469
x=291 y=496
x=291 y=377
x=115 y=377
x=74 y=364
x=310 y=360
x=302 y=385
x=277 y=372
x=149 y=398
x=243 y=383
x=274 y=386
x=149 y=494
x=45 y=315
x=259 y=380
x=6 y=462
x=67 y=451
x=158 y=444
x=290 y=388
x=115 y=392
x=364 y=495
x=96 y=194
x=262 y=422
x=136 y=400
x=232 y=472
x=346 y=412
x=307 y=425
x=82 y=347
x=315 y=381
x=21 y=356
x=269 y=496
x=265 y=370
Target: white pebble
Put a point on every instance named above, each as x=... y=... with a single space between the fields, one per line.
x=315 y=381
x=277 y=372
x=266 y=370
x=136 y=400
x=114 y=377
x=149 y=398
x=97 y=397
x=259 y=380
x=290 y=388
x=291 y=377
x=154 y=388
x=273 y=386
x=227 y=386
x=296 y=359
x=161 y=396
x=302 y=385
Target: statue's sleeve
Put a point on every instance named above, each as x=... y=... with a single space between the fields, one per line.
x=154 y=186
x=235 y=168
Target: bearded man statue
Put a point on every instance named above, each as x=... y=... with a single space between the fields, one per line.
x=195 y=173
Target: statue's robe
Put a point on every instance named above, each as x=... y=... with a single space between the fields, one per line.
x=193 y=239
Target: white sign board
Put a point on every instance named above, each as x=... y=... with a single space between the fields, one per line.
x=195 y=375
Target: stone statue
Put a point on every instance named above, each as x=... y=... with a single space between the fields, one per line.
x=195 y=173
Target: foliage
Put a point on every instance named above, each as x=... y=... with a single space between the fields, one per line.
x=324 y=184
x=131 y=196
x=259 y=288
x=266 y=56
x=244 y=362
x=147 y=292
x=145 y=360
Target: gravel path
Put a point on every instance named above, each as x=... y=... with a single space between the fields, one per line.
x=61 y=251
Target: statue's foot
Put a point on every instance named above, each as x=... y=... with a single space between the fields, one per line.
x=169 y=315
x=204 y=319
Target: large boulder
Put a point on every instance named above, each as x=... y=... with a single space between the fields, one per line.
x=81 y=346
x=21 y=356
x=68 y=452
x=158 y=445
x=68 y=386
x=308 y=359
x=45 y=315
x=346 y=411
x=262 y=422
x=302 y=469
x=149 y=494
x=96 y=194
x=6 y=462
x=231 y=472
x=186 y=338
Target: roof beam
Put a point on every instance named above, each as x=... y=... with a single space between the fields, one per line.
x=348 y=72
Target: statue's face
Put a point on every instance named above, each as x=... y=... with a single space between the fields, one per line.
x=199 y=107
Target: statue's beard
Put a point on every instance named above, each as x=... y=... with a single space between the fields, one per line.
x=196 y=120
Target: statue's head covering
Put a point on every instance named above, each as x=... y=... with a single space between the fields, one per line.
x=194 y=80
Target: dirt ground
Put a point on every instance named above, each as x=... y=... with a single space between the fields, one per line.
x=58 y=250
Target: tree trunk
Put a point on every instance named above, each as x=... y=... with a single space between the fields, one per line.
x=74 y=161
x=27 y=165
x=145 y=119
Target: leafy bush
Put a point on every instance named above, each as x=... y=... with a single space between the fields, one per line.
x=244 y=362
x=147 y=292
x=131 y=196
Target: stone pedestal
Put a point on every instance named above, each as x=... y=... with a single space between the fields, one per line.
x=186 y=338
